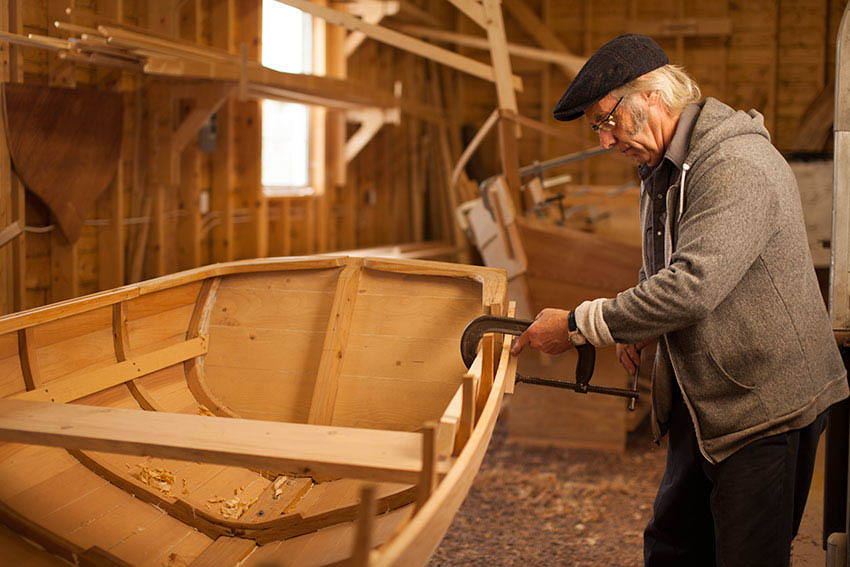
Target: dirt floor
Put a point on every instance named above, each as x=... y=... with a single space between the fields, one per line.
x=536 y=506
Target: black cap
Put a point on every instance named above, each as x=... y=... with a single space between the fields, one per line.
x=620 y=61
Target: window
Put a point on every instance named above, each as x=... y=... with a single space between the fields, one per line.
x=287 y=40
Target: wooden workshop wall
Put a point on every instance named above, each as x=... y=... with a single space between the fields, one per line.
x=777 y=57
x=772 y=55
x=151 y=220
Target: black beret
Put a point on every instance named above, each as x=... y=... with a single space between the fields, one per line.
x=620 y=61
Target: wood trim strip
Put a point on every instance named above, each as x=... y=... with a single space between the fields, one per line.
x=364 y=528
x=75 y=387
x=120 y=335
x=38 y=315
x=194 y=368
x=372 y=454
x=29 y=360
x=336 y=341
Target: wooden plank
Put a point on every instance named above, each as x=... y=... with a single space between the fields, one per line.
x=402 y=41
x=428 y=476
x=75 y=387
x=365 y=526
x=328 y=451
x=335 y=344
x=224 y=551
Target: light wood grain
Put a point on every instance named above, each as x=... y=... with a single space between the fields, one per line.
x=330 y=451
x=75 y=387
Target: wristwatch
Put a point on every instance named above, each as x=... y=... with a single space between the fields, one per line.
x=575 y=335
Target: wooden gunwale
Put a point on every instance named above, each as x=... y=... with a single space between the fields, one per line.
x=414 y=544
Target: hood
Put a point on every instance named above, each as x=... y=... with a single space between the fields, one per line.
x=718 y=122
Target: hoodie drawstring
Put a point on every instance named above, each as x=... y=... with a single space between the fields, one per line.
x=685 y=168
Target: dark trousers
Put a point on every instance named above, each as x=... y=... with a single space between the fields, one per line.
x=743 y=511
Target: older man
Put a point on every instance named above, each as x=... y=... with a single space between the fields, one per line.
x=746 y=364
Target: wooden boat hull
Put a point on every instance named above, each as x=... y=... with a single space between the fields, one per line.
x=232 y=414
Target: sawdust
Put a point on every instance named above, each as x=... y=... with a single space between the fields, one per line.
x=552 y=507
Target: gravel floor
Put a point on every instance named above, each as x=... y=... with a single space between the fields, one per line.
x=535 y=506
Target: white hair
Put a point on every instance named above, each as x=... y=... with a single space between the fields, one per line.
x=675 y=87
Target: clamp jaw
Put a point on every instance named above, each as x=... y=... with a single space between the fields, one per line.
x=477 y=328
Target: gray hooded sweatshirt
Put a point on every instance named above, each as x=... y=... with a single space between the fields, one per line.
x=737 y=308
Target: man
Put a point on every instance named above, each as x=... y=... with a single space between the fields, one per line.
x=746 y=363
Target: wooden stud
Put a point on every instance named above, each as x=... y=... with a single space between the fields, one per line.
x=467 y=414
x=29 y=359
x=336 y=341
x=365 y=526
x=487 y=372
x=120 y=336
x=428 y=477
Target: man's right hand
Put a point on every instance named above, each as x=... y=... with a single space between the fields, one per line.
x=629 y=355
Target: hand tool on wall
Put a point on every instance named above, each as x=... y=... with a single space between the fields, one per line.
x=479 y=327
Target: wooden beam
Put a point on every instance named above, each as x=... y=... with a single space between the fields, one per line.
x=524 y=51
x=537 y=30
x=366 y=512
x=28 y=358
x=401 y=41
x=336 y=341
x=371 y=122
x=74 y=387
x=208 y=99
x=375 y=455
x=373 y=13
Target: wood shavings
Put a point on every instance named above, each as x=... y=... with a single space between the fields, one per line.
x=204 y=410
x=278 y=486
x=159 y=478
x=232 y=508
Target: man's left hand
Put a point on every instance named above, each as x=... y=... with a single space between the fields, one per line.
x=549 y=333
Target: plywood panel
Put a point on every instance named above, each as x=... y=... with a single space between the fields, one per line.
x=382 y=403
x=11 y=377
x=18 y=551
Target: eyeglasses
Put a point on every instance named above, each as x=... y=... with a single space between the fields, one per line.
x=607 y=124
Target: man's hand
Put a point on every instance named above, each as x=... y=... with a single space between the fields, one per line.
x=629 y=355
x=549 y=333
